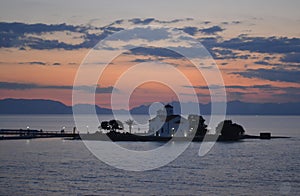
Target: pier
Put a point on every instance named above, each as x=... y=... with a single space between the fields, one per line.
x=15 y=134
x=9 y=134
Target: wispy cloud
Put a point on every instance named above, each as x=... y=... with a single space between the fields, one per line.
x=27 y=86
x=242 y=92
x=280 y=45
x=190 y=30
x=154 y=51
x=142 y=21
x=291 y=57
x=212 y=30
x=275 y=74
x=34 y=63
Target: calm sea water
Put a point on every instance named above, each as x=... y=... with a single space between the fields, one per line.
x=60 y=167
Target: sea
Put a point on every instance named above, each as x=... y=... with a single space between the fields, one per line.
x=67 y=167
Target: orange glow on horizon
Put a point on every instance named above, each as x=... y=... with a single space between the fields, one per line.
x=59 y=68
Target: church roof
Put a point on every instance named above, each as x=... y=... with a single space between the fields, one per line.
x=168 y=106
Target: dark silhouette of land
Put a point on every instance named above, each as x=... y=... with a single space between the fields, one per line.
x=14 y=134
x=40 y=106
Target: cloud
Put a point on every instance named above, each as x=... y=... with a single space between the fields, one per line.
x=220 y=53
x=20 y=35
x=246 y=56
x=282 y=93
x=23 y=36
x=262 y=63
x=111 y=29
x=236 y=22
x=173 y=21
x=27 y=86
x=267 y=58
x=117 y=22
x=41 y=44
x=17 y=86
x=239 y=95
x=206 y=22
x=263 y=44
x=26 y=36
x=140 y=60
x=190 y=30
x=212 y=30
x=209 y=42
x=22 y=28
x=239 y=87
x=37 y=63
x=149 y=34
x=141 y=21
x=240 y=92
x=205 y=87
x=154 y=51
x=171 y=52
x=96 y=89
x=40 y=63
x=275 y=74
x=291 y=58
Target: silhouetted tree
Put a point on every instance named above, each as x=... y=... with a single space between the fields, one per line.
x=130 y=124
x=197 y=125
x=111 y=125
x=116 y=125
x=105 y=125
x=230 y=130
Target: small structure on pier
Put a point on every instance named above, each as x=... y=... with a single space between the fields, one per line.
x=265 y=135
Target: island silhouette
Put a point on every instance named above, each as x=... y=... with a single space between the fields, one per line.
x=163 y=127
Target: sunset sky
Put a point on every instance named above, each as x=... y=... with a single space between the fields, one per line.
x=255 y=45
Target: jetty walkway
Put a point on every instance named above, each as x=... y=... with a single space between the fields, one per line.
x=7 y=134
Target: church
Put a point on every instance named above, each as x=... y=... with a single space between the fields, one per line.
x=167 y=124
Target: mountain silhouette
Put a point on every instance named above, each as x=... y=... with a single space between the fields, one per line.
x=42 y=106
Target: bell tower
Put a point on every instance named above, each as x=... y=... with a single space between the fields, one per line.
x=169 y=109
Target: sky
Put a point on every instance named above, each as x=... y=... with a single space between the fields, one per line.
x=77 y=11
x=254 y=44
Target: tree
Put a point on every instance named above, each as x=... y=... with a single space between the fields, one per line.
x=197 y=125
x=111 y=125
x=130 y=124
x=116 y=125
x=230 y=130
x=105 y=125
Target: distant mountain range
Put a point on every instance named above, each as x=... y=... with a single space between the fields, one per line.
x=41 y=106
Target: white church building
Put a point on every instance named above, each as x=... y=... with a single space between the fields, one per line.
x=167 y=124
